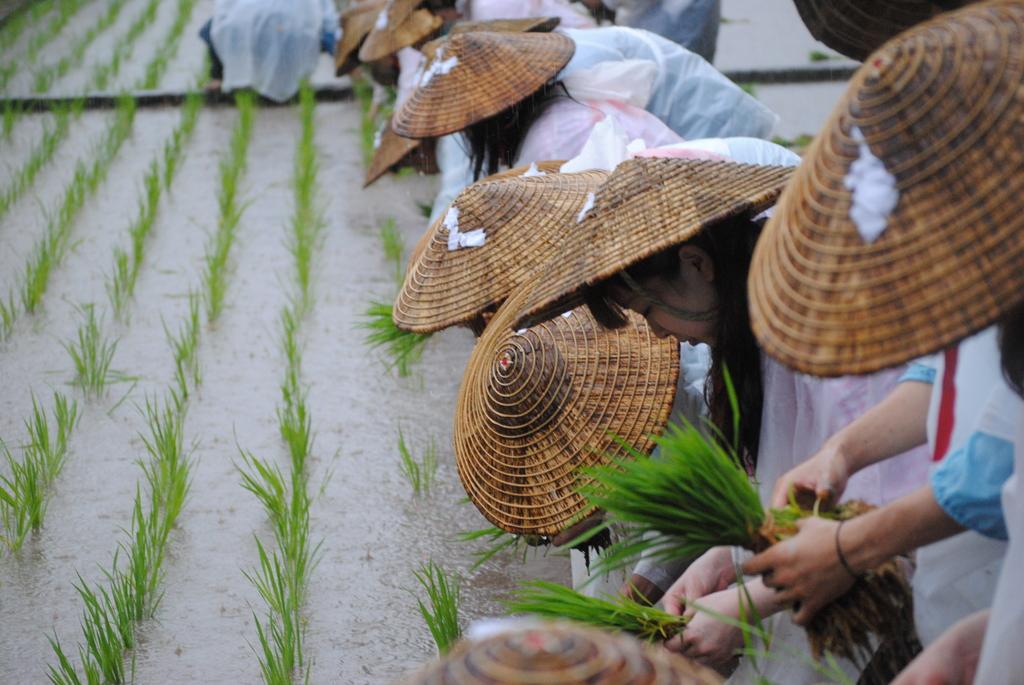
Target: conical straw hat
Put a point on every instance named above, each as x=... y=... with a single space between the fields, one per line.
x=942 y=119
x=473 y=76
x=537 y=405
x=856 y=28
x=392 y=149
x=398 y=25
x=648 y=205
x=356 y=22
x=561 y=653
x=524 y=219
x=528 y=25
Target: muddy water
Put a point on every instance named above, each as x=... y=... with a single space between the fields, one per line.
x=363 y=622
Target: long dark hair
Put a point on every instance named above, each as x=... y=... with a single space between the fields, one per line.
x=1011 y=348
x=730 y=246
x=495 y=141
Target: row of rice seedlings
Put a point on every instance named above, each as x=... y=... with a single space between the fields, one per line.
x=130 y=592
x=51 y=248
x=121 y=282
x=184 y=344
x=25 y=492
x=66 y=9
x=307 y=222
x=45 y=76
x=14 y=26
x=41 y=154
x=402 y=348
x=619 y=613
x=232 y=167
x=282 y=575
x=103 y=73
x=394 y=247
x=443 y=596
x=91 y=354
x=168 y=47
x=422 y=473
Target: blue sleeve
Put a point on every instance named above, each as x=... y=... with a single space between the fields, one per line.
x=968 y=484
x=919 y=373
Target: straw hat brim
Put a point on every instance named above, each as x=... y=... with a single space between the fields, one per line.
x=536 y=406
x=355 y=25
x=524 y=219
x=940 y=107
x=528 y=25
x=856 y=28
x=380 y=43
x=645 y=206
x=394 y=150
x=473 y=76
x=561 y=653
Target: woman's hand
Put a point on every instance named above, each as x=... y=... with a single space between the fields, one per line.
x=712 y=572
x=823 y=477
x=706 y=639
x=805 y=569
x=952 y=659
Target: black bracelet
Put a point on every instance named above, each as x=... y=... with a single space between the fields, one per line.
x=842 y=557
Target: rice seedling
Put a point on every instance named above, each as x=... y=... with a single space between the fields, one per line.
x=53 y=446
x=41 y=154
x=699 y=496
x=12 y=111
x=50 y=249
x=401 y=347
x=8 y=313
x=231 y=169
x=44 y=77
x=92 y=353
x=550 y=600
x=307 y=221
x=498 y=540
x=66 y=9
x=281 y=638
x=419 y=474
x=442 y=615
x=22 y=18
x=168 y=47
x=184 y=345
x=393 y=246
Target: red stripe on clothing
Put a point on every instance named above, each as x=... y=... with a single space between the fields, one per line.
x=947 y=402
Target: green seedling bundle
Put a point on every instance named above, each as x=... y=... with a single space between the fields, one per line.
x=45 y=76
x=698 y=496
x=91 y=353
x=442 y=614
x=232 y=167
x=402 y=347
x=550 y=600
x=24 y=493
x=121 y=282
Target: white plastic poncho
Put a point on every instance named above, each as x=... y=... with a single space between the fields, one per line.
x=692 y=97
x=269 y=45
x=1002 y=659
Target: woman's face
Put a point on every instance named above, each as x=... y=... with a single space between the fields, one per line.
x=683 y=304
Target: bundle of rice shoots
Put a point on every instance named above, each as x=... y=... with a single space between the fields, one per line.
x=549 y=600
x=698 y=496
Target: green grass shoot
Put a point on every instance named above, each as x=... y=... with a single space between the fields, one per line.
x=401 y=347
x=392 y=244
x=92 y=353
x=232 y=167
x=441 y=611
x=498 y=541
x=420 y=474
x=550 y=600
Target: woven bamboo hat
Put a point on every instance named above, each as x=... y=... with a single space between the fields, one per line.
x=523 y=219
x=356 y=22
x=856 y=28
x=537 y=405
x=561 y=653
x=398 y=25
x=393 y=150
x=936 y=119
x=528 y=25
x=473 y=76
x=648 y=205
